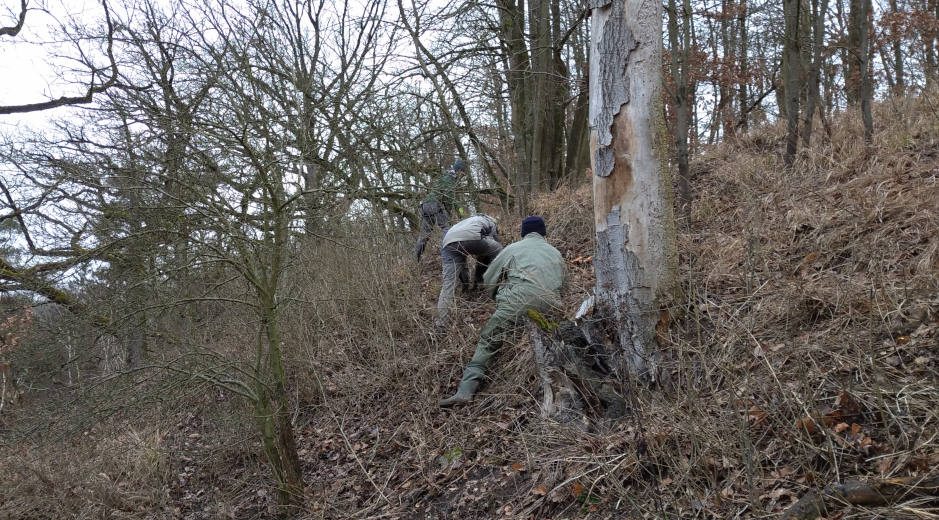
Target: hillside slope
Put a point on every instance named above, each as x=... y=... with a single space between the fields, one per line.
x=804 y=354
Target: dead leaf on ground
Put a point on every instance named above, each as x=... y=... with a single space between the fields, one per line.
x=810 y=425
x=883 y=465
x=846 y=409
x=577 y=489
x=778 y=493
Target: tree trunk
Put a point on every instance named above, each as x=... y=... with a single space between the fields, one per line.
x=899 y=73
x=866 y=87
x=931 y=66
x=636 y=259
x=559 y=83
x=135 y=346
x=518 y=77
x=679 y=54
x=538 y=19
x=818 y=33
x=857 y=20
x=744 y=67
x=792 y=17
x=272 y=402
x=578 y=145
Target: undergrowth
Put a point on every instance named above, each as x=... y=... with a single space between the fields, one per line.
x=804 y=355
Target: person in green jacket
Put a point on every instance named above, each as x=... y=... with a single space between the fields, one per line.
x=528 y=274
x=439 y=204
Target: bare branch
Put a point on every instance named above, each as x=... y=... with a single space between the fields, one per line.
x=69 y=100
x=14 y=30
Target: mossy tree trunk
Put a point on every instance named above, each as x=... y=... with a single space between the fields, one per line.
x=263 y=267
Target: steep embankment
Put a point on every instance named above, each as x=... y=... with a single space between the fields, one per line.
x=804 y=355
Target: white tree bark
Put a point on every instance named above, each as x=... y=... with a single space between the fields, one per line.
x=636 y=260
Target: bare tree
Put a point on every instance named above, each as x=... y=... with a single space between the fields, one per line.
x=239 y=118
x=103 y=76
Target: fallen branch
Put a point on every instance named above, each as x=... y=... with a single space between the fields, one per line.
x=856 y=493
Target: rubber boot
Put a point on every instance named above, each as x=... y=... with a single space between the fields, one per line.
x=463 y=395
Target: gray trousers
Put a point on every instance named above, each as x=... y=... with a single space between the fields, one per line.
x=432 y=216
x=453 y=257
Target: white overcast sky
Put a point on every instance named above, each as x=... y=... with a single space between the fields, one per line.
x=27 y=62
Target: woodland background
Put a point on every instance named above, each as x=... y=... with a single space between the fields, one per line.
x=210 y=309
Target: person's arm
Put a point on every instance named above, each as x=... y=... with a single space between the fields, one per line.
x=488 y=229
x=493 y=275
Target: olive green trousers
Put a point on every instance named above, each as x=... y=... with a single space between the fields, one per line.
x=500 y=327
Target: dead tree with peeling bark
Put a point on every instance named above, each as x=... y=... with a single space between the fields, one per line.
x=636 y=257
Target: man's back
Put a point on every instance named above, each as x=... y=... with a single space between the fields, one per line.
x=472 y=228
x=528 y=268
x=443 y=191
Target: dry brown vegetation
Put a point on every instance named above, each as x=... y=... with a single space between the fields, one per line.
x=804 y=354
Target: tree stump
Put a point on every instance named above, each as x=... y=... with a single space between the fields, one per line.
x=574 y=374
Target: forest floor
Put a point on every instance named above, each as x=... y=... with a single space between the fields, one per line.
x=803 y=354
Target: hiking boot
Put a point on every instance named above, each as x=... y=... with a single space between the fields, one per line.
x=463 y=395
x=440 y=327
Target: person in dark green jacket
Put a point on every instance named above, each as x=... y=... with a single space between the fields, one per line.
x=438 y=205
x=528 y=274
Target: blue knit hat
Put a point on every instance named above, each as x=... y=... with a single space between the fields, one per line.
x=458 y=166
x=535 y=224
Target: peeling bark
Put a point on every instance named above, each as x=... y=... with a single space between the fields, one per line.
x=636 y=259
x=611 y=44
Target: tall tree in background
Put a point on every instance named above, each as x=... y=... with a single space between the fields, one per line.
x=679 y=37
x=852 y=52
x=813 y=96
x=636 y=258
x=864 y=64
x=538 y=87
x=793 y=16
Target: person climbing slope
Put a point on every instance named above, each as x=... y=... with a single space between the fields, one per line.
x=477 y=236
x=437 y=207
x=528 y=274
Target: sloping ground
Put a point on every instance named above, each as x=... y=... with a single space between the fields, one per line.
x=803 y=354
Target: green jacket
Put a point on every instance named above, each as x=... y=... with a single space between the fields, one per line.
x=529 y=273
x=443 y=191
